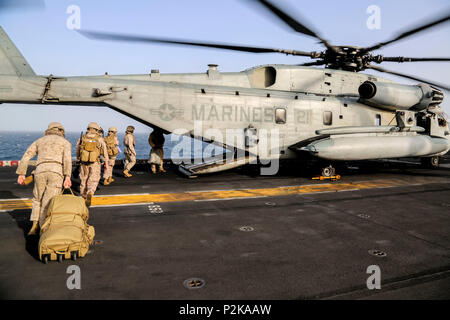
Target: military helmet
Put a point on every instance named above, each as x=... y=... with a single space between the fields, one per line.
x=56 y=125
x=112 y=129
x=94 y=125
x=130 y=129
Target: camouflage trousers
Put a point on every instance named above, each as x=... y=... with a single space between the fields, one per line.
x=89 y=178
x=130 y=161
x=108 y=172
x=46 y=186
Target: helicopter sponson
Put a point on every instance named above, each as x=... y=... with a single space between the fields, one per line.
x=413 y=104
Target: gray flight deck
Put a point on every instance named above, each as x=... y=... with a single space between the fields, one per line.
x=312 y=245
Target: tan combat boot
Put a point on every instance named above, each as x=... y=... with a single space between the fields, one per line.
x=34 y=229
x=89 y=199
x=161 y=169
x=106 y=182
x=111 y=180
x=126 y=174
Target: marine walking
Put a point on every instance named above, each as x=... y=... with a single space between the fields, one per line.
x=53 y=171
x=156 y=141
x=112 y=146
x=130 y=153
x=90 y=147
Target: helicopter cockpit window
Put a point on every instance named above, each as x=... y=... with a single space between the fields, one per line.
x=327 y=118
x=280 y=116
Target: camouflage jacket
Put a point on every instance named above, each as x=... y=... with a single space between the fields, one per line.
x=116 y=141
x=54 y=154
x=129 y=141
x=104 y=150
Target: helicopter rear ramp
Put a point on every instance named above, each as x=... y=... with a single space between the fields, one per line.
x=212 y=166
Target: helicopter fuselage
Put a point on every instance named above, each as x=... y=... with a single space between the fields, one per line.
x=288 y=104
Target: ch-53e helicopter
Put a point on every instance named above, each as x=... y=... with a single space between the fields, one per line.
x=333 y=114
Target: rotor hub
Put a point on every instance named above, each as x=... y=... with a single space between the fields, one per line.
x=348 y=58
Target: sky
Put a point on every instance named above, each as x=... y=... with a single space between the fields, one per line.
x=50 y=47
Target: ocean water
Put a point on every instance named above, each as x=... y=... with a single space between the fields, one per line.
x=14 y=144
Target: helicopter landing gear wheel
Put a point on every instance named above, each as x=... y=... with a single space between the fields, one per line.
x=430 y=162
x=328 y=171
x=434 y=162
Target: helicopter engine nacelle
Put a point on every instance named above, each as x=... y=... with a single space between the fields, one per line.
x=393 y=96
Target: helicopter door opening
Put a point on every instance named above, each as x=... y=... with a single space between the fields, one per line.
x=280 y=115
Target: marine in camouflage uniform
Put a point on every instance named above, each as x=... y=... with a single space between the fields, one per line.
x=90 y=166
x=112 y=144
x=101 y=133
x=53 y=171
x=130 y=153
x=156 y=141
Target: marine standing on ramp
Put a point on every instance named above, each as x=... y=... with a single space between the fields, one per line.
x=53 y=171
x=112 y=144
x=156 y=141
x=130 y=154
x=88 y=150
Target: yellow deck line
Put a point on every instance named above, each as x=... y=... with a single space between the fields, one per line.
x=107 y=200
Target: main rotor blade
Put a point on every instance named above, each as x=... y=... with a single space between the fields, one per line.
x=293 y=23
x=408 y=77
x=21 y=4
x=405 y=59
x=132 y=38
x=408 y=33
